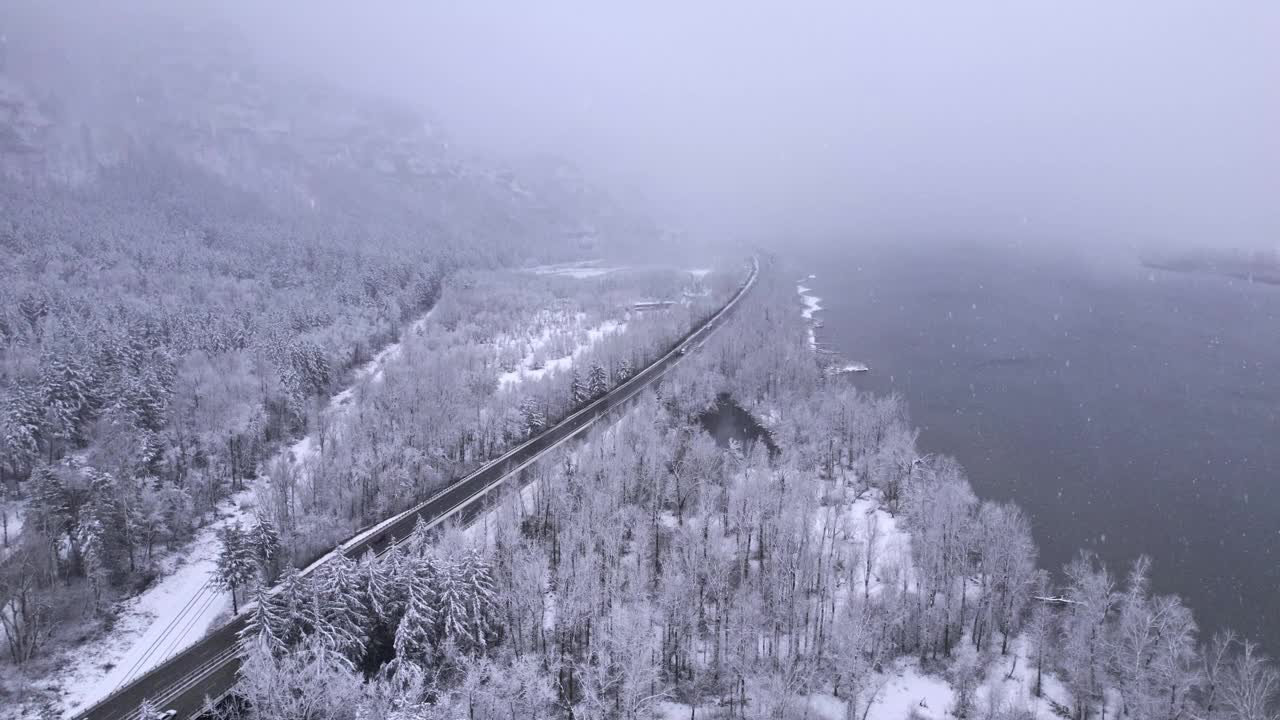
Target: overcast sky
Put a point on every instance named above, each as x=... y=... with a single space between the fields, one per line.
x=1106 y=120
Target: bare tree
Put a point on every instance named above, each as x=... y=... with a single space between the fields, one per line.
x=1251 y=685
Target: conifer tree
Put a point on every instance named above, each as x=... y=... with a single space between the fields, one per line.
x=622 y=372
x=235 y=568
x=264 y=624
x=264 y=542
x=535 y=420
x=451 y=601
x=416 y=634
x=578 y=390
x=475 y=575
x=598 y=380
x=371 y=587
x=295 y=601
x=341 y=607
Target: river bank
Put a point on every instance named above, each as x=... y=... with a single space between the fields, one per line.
x=1127 y=411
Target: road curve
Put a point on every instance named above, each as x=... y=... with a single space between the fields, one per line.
x=208 y=668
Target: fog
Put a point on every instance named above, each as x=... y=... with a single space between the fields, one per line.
x=1141 y=121
x=1099 y=123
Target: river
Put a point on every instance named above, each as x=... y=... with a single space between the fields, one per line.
x=1127 y=410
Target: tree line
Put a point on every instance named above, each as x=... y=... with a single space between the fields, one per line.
x=652 y=565
x=154 y=357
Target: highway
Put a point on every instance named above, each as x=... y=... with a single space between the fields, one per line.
x=207 y=669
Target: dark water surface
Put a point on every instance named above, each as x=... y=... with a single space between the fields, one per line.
x=730 y=422
x=1126 y=410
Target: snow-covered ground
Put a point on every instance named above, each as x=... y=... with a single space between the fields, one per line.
x=812 y=304
x=863 y=520
x=526 y=369
x=905 y=689
x=15 y=514
x=170 y=615
x=180 y=608
x=340 y=404
x=578 y=270
x=480 y=529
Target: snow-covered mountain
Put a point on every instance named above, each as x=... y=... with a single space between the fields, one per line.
x=83 y=100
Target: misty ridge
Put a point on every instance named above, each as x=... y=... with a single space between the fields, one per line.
x=427 y=360
x=145 y=108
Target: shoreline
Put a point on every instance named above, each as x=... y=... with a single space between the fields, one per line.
x=812 y=304
x=833 y=363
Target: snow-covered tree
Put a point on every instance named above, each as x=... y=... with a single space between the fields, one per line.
x=341 y=608
x=416 y=636
x=622 y=371
x=474 y=574
x=67 y=396
x=295 y=603
x=150 y=711
x=264 y=627
x=535 y=418
x=579 y=393
x=20 y=432
x=597 y=380
x=1090 y=596
x=264 y=542
x=1252 y=685
x=235 y=567
x=371 y=588
x=314 y=683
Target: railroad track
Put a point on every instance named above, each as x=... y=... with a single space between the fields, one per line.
x=206 y=671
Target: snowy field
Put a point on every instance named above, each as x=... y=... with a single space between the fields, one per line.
x=578 y=270
x=536 y=362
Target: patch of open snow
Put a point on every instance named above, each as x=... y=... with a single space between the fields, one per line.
x=151 y=627
x=905 y=691
x=910 y=690
x=699 y=273
x=526 y=371
x=668 y=710
x=857 y=521
x=827 y=707
x=578 y=270
x=584 y=273
x=1010 y=683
